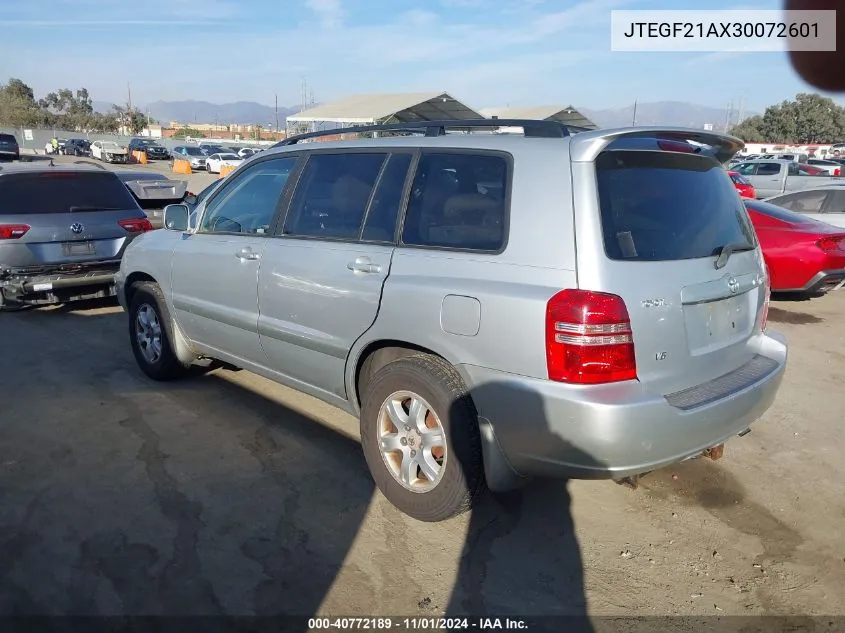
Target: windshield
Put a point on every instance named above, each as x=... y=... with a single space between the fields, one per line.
x=59 y=191
x=229 y=157
x=193 y=151
x=110 y=145
x=659 y=206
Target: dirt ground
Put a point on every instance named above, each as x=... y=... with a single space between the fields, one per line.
x=225 y=493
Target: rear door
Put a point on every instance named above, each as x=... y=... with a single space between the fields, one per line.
x=320 y=284
x=71 y=217
x=649 y=228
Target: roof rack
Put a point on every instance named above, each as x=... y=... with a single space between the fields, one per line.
x=534 y=128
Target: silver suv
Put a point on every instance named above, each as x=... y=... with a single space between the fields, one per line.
x=492 y=307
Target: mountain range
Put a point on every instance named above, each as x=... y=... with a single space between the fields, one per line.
x=674 y=113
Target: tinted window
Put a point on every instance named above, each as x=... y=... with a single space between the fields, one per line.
x=836 y=201
x=332 y=195
x=59 y=191
x=802 y=202
x=380 y=225
x=7 y=138
x=247 y=203
x=658 y=206
x=776 y=212
x=768 y=169
x=192 y=151
x=458 y=201
x=739 y=179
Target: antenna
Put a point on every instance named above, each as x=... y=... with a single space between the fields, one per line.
x=634 y=117
x=277 y=112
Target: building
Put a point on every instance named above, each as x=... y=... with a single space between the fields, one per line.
x=372 y=109
x=563 y=114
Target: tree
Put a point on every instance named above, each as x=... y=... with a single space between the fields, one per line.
x=809 y=118
x=18 y=107
x=74 y=111
x=133 y=120
x=750 y=130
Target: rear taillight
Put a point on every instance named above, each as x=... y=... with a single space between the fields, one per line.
x=837 y=171
x=832 y=244
x=13 y=231
x=589 y=338
x=136 y=225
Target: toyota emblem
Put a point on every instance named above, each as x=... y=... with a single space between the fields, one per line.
x=77 y=228
x=733 y=285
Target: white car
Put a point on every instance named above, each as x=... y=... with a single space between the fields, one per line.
x=109 y=152
x=825 y=203
x=214 y=162
x=832 y=168
x=246 y=152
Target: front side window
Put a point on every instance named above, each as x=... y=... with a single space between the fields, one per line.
x=458 y=201
x=333 y=194
x=248 y=203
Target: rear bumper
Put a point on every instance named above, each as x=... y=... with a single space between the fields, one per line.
x=540 y=428
x=822 y=281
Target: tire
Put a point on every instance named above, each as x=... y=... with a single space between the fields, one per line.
x=164 y=365
x=460 y=480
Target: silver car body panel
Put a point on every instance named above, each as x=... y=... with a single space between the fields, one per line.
x=298 y=315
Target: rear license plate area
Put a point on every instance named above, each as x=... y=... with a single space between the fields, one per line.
x=79 y=248
x=717 y=324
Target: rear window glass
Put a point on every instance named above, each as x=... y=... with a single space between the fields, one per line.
x=739 y=179
x=8 y=138
x=776 y=212
x=62 y=192
x=661 y=206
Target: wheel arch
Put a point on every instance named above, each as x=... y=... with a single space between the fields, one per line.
x=181 y=345
x=375 y=354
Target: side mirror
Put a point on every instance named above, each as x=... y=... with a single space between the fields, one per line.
x=176 y=217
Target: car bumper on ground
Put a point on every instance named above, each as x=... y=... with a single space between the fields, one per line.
x=539 y=428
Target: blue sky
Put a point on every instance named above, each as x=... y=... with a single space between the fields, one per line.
x=484 y=52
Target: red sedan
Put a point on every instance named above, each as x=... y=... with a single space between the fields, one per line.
x=802 y=254
x=743 y=185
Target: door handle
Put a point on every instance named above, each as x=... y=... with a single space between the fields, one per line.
x=246 y=254
x=363 y=265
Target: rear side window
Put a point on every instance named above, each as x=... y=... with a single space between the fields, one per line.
x=458 y=201
x=739 y=179
x=63 y=192
x=662 y=206
x=332 y=195
x=803 y=201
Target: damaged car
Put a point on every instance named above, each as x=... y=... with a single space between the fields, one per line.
x=63 y=230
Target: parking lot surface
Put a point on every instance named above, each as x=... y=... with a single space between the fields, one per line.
x=225 y=493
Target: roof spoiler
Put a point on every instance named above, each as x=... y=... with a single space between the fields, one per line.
x=586 y=146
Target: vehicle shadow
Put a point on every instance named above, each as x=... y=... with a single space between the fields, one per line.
x=521 y=556
x=210 y=496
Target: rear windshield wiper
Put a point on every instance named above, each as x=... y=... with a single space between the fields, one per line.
x=92 y=208
x=724 y=253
